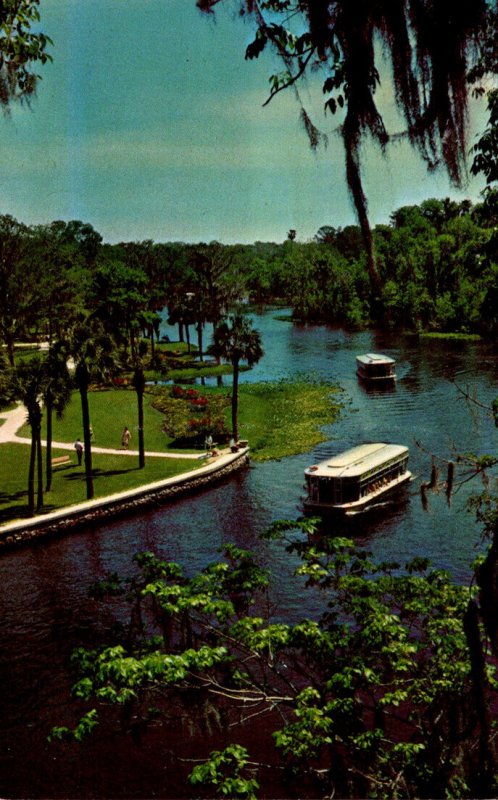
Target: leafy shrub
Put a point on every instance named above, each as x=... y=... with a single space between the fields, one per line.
x=190 y=415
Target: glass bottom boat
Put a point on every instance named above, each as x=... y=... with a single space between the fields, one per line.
x=353 y=481
x=376 y=368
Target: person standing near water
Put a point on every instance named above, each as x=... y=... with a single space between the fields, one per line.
x=125 y=438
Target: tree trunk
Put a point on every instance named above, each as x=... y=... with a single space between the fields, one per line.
x=39 y=453
x=48 y=464
x=199 y=340
x=486 y=770
x=141 y=439
x=235 y=400
x=353 y=174
x=85 y=412
x=31 y=475
x=9 y=341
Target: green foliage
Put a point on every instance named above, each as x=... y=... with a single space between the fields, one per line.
x=281 y=418
x=223 y=773
x=375 y=697
x=437 y=261
x=22 y=47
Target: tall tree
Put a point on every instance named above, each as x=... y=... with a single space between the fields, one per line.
x=29 y=383
x=236 y=340
x=137 y=362
x=56 y=395
x=92 y=351
x=19 y=282
x=431 y=46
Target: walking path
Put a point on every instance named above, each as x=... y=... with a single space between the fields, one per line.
x=15 y=419
x=88 y=511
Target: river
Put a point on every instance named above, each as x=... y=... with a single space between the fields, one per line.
x=46 y=610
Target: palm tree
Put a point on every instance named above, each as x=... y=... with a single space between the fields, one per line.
x=29 y=382
x=56 y=396
x=236 y=340
x=92 y=351
x=138 y=362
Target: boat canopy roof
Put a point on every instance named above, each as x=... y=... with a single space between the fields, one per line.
x=355 y=462
x=375 y=358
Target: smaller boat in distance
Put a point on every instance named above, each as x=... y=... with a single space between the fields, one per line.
x=376 y=368
x=356 y=480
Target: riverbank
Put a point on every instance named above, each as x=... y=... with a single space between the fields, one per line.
x=91 y=512
x=191 y=472
x=277 y=418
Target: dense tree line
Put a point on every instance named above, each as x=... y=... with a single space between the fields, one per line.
x=438 y=263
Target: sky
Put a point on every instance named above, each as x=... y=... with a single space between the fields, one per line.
x=150 y=124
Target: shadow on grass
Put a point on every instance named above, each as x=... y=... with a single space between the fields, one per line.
x=99 y=473
x=13 y=511
x=19 y=511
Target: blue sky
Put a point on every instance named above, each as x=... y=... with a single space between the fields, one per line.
x=149 y=123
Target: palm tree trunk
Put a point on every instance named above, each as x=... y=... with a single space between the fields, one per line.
x=199 y=340
x=235 y=400
x=85 y=413
x=48 y=464
x=39 y=453
x=31 y=475
x=141 y=440
x=9 y=340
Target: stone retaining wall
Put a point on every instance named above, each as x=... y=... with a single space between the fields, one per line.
x=105 y=508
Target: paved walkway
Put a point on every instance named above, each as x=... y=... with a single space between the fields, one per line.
x=211 y=468
x=11 y=421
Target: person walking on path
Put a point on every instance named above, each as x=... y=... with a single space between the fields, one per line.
x=79 y=450
x=125 y=438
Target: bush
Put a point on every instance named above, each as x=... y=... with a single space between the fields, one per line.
x=190 y=415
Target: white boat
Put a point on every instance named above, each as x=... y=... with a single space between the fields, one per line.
x=356 y=480
x=376 y=367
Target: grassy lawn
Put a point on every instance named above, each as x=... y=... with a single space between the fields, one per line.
x=110 y=411
x=111 y=474
x=278 y=418
x=284 y=418
x=463 y=336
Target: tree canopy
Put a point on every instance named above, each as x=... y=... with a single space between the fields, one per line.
x=22 y=47
x=386 y=693
x=431 y=47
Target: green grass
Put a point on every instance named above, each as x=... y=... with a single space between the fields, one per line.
x=113 y=473
x=286 y=417
x=278 y=418
x=462 y=336
x=110 y=411
x=25 y=354
x=189 y=373
x=177 y=348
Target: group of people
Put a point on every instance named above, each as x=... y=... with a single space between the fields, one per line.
x=208 y=442
x=78 y=445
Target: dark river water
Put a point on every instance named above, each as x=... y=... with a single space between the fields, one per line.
x=46 y=610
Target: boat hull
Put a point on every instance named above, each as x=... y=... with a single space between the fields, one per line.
x=365 y=504
x=369 y=378
x=376 y=368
